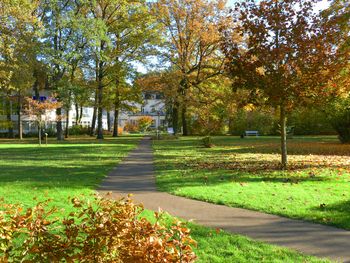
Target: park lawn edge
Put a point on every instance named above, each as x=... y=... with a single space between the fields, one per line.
x=217 y=245
x=162 y=186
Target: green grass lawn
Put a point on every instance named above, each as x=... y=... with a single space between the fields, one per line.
x=244 y=173
x=57 y=171
x=218 y=246
x=75 y=167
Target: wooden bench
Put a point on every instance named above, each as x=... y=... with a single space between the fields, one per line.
x=251 y=133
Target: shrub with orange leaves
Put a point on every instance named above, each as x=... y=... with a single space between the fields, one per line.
x=120 y=130
x=131 y=127
x=102 y=230
x=144 y=122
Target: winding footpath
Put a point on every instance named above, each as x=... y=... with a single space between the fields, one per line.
x=136 y=175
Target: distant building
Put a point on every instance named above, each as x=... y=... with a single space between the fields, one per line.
x=153 y=105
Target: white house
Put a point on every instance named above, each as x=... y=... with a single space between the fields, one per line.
x=153 y=105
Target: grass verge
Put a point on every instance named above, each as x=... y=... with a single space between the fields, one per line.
x=244 y=173
x=218 y=246
x=58 y=171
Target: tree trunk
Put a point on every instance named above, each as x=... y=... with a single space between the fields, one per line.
x=99 y=124
x=109 y=127
x=116 y=109
x=100 y=96
x=115 y=124
x=76 y=114
x=93 y=121
x=283 y=124
x=80 y=115
x=184 y=120
x=11 y=134
x=183 y=90
x=66 y=134
x=175 y=117
x=94 y=114
x=99 y=111
x=39 y=132
x=20 y=127
x=59 y=127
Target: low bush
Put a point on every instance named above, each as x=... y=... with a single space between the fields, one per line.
x=261 y=121
x=101 y=230
x=207 y=142
x=337 y=112
x=131 y=127
x=107 y=132
x=310 y=121
x=144 y=123
x=78 y=130
x=51 y=132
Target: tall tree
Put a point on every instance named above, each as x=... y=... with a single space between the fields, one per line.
x=134 y=38
x=124 y=29
x=121 y=96
x=62 y=21
x=288 y=57
x=191 y=43
x=18 y=27
x=106 y=15
x=337 y=109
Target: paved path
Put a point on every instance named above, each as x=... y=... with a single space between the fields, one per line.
x=136 y=175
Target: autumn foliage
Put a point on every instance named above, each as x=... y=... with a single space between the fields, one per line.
x=131 y=127
x=36 y=108
x=144 y=122
x=288 y=56
x=103 y=230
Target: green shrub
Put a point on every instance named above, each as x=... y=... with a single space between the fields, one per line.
x=131 y=127
x=207 y=142
x=243 y=120
x=309 y=121
x=78 y=130
x=338 y=114
x=144 y=123
x=214 y=127
x=103 y=230
x=51 y=132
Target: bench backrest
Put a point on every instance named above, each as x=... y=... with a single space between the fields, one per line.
x=251 y=132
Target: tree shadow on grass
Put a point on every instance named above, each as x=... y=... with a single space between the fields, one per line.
x=60 y=152
x=61 y=166
x=171 y=178
x=254 y=165
x=263 y=145
x=339 y=213
x=294 y=148
x=45 y=176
